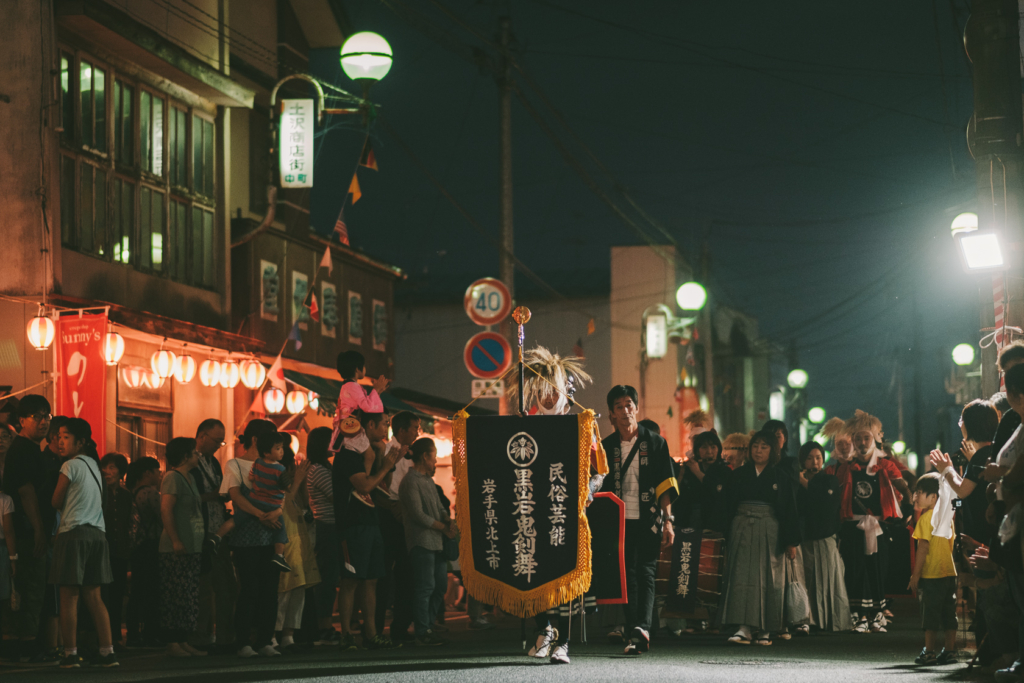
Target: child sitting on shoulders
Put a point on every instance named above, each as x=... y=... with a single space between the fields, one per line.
x=934 y=577
x=348 y=432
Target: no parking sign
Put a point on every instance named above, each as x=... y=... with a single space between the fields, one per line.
x=488 y=355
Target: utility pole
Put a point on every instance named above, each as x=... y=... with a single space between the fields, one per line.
x=915 y=322
x=706 y=334
x=992 y=40
x=506 y=265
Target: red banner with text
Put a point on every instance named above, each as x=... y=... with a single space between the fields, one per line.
x=82 y=372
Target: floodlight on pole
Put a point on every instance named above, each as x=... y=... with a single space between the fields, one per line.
x=797 y=379
x=963 y=354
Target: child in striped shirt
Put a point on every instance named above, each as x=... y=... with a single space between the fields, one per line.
x=266 y=491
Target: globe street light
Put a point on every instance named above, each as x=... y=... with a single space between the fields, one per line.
x=963 y=354
x=816 y=415
x=366 y=56
x=899 y=447
x=797 y=379
x=691 y=296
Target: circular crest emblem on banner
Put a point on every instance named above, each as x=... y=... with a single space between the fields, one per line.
x=522 y=449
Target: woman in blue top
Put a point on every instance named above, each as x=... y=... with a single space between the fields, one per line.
x=81 y=558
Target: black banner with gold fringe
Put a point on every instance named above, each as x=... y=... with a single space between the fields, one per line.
x=521 y=492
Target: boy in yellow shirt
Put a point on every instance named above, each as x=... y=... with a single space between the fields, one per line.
x=934 y=578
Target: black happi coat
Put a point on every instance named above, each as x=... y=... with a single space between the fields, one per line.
x=819 y=506
x=656 y=474
x=775 y=487
x=705 y=500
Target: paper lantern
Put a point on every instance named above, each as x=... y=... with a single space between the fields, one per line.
x=185 y=368
x=151 y=379
x=273 y=400
x=314 y=401
x=252 y=373
x=229 y=375
x=209 y=372
x=113 y=348
x=162 y=363
x=132 y=376
x=40 y=332
x=296 y=402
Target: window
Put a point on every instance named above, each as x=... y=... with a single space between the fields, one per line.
x=122 y=234
x=123 y=133
x=177 y=241
x=67 y=101
x=67 y=200
x=154 y=427
x=202 y=248
x=151 y=230
x=177 y=132
x=202 y=156
x=93 y=89
x=92 y=195
x=151 y=133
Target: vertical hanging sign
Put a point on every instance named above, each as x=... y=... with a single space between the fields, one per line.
x=295 y=143
x=82 y=372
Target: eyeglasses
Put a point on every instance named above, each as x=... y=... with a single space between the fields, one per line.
x=42 y=417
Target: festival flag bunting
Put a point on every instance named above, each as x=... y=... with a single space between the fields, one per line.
x=310 y=303
x=591 y=326
x=368 y=158
x=353 y=188
x=327 y=262
x=257 y=407
x=341 y=228
x=294 y=336
x=276 y=374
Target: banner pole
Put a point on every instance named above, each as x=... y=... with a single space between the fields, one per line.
x=522 y=316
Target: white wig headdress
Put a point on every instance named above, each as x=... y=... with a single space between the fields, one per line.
x=566 y=374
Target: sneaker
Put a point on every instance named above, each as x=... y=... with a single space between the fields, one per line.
x=784 y=634
x=631 y=649
x=863 y=626
x=803 y=630
x=926 y=658
x=615 y=637
x=106 y=661
x=542 y=648
x=194 y=651
x=246 y=652
x=268 y=651
x=888 y=615
x=380 y=642
x=947 y=657
x=176 y=650
x=1009 y=675
x=878 y=624
x=480 y=624
x=328 y=637
x=281 y=563
x=348 y=642
x=429 y=640
x=71 y=662
x=46 y=657
x=641 y=638
x=560 y=654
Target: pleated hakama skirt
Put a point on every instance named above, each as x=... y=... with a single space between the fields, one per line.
x=755 y=587
x=826 y=585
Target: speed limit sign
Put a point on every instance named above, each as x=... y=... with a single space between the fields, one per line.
x=488 y=301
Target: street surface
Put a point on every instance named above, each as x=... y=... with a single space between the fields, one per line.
x=495 y=655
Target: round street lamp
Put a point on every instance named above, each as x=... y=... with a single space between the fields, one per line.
x=366 y=56
x=797 y=379
x=816 y=415
x=899 y=447
x=691 y=296
x=963 y=354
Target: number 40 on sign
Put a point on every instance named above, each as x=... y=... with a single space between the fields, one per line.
x=488 y=301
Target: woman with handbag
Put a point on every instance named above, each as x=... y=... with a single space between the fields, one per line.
x=763 y=534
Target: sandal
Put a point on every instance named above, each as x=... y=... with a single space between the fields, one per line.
x=763 y=639
x=741 y=637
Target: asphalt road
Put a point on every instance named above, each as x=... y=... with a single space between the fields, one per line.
x=496 y=655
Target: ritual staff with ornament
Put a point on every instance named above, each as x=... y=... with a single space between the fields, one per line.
x=643 y=477
x=872 y=488
x=548 y=387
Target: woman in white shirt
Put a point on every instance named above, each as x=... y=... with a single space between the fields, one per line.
x=81 y=559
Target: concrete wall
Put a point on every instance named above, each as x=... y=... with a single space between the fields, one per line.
x=192 y=25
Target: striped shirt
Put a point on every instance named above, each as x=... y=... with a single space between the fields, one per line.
x=321 y=493
x=265 y=479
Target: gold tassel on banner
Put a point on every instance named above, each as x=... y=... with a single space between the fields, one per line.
x=554 y=593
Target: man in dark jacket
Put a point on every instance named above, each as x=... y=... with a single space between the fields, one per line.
x=641 y=474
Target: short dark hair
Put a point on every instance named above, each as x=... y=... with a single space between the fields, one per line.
x=82 y=431
x=709 y=438
x=772 y=426
x=928 y=483
x=366 y=418
x=769 y=438
x=1014 y=380
x=650 y=425
x=420 y=447
x=139 y=468
x=403 y=420
x=31 y=404
x=622 y=391
x=348 y=362
x=208 y=425
x=254 y=429
x=980 y=420
x=999 y=400
x=317 y=443
x=115 y=459
x=179 y=450
x=807 y=449
x=266 y=441
x=1010 y=353
x=56 y=423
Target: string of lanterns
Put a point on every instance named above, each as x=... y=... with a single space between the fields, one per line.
x=164 y=364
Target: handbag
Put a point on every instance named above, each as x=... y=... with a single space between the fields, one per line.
x=797 y=606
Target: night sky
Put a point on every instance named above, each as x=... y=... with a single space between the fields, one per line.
x=819 y=146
